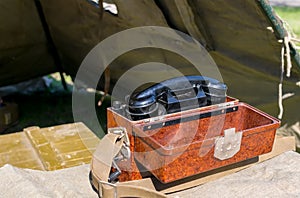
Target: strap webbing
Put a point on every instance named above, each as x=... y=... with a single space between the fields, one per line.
x=107 y=149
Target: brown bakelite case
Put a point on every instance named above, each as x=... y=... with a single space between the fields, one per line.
x=194 y=142
x=129 y=168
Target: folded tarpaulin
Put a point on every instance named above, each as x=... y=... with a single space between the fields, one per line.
x=276 y=177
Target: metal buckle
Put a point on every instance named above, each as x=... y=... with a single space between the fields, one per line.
x=101 y=183
x=125 y=150
x=120 y=131
x=114 y=175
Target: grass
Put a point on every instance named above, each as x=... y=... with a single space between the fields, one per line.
x=51 y=106
x=42 y=109
x=292 y=16
x=45 y=106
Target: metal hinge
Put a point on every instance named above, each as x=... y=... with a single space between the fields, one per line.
x=154 y=119
x=226 y=104
x=229 y=145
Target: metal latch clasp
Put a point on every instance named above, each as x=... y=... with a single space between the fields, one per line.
x=229 y=145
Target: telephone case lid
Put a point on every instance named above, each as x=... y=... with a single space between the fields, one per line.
x=189 y=130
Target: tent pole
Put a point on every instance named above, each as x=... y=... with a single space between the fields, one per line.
x=52 y=47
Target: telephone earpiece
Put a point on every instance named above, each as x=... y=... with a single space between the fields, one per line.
x=176 y=94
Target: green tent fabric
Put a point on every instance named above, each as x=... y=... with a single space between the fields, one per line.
x=24 y=52
x=241 y=36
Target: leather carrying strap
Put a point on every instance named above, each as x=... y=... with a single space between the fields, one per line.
x=109 y=146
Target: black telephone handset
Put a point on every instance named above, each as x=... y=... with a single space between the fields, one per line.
x=175 y=95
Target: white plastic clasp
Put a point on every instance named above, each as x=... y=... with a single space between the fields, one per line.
x=229 y=145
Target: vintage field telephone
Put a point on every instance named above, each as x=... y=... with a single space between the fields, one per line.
x=174 y=95
x=164 y=128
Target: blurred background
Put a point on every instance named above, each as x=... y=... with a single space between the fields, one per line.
x=47 y=101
